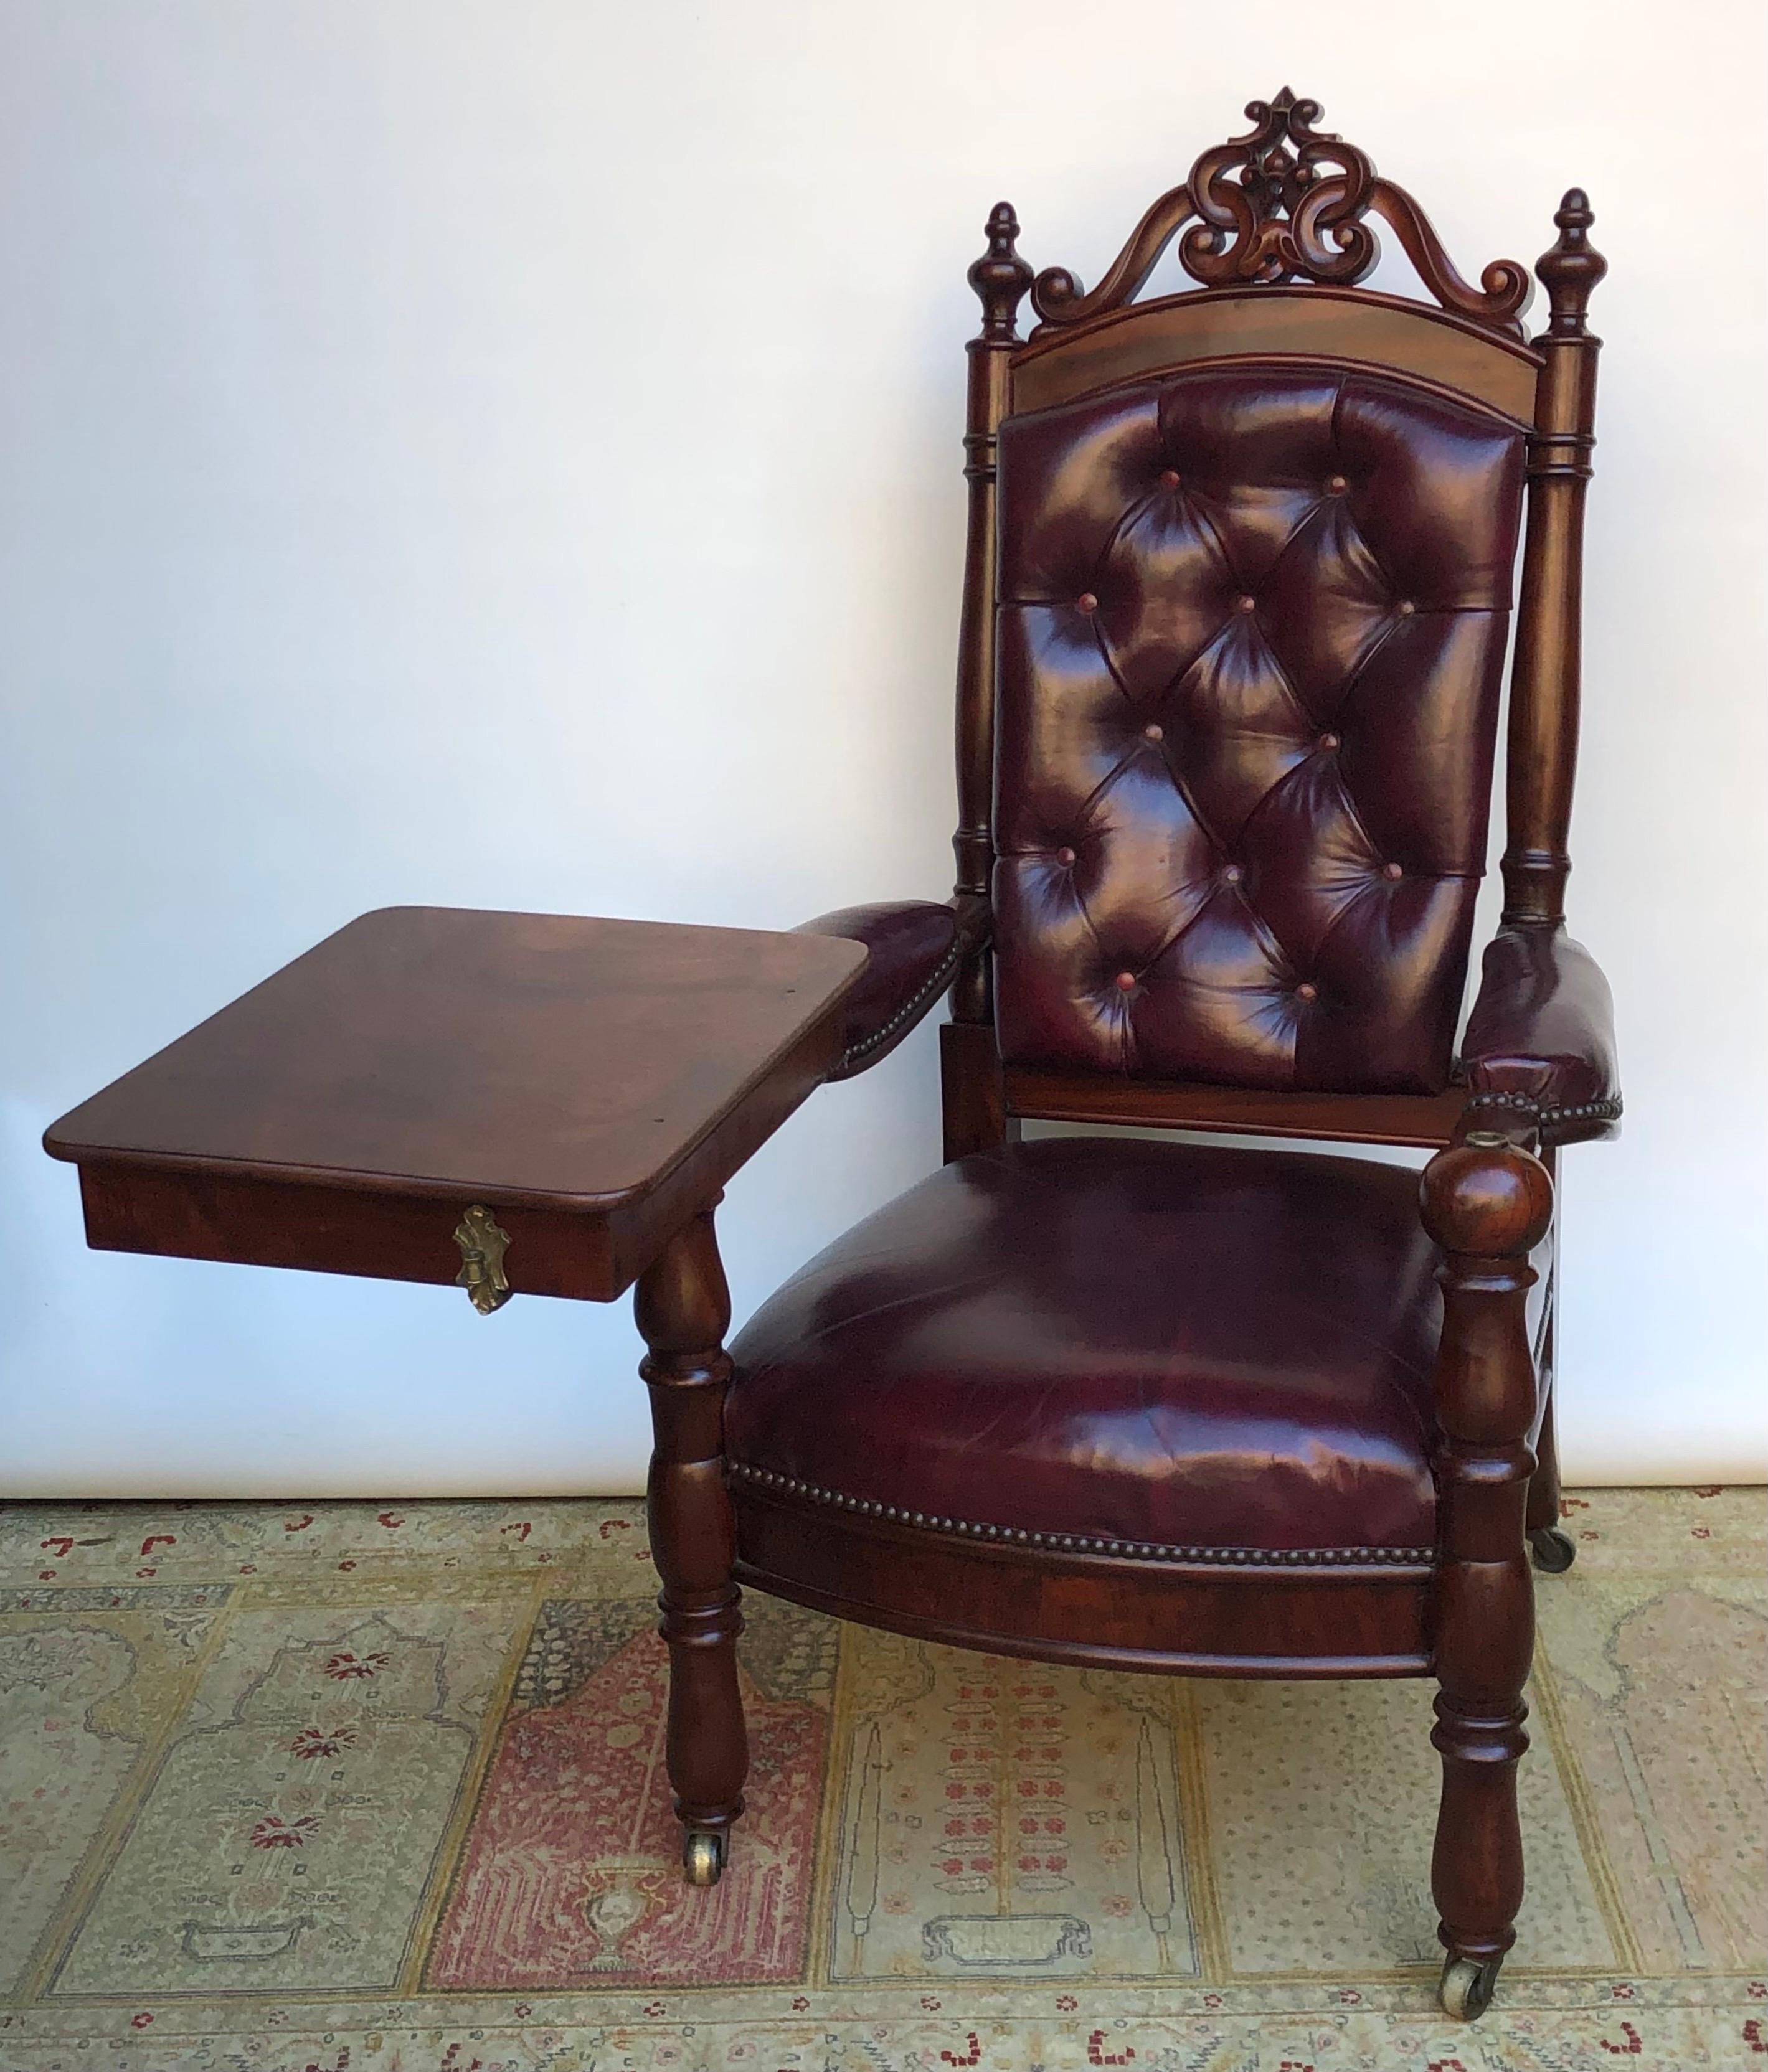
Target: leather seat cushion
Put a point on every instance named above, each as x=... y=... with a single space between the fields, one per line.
x=1152 y=1342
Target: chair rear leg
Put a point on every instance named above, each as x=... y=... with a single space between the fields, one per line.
x=683 y=1309
x=1553 y=1546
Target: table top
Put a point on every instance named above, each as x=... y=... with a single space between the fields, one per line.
x=528 y=1060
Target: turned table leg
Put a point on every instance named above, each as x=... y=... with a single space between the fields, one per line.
x=683 y=1309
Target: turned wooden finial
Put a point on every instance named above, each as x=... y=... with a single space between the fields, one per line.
x=1572 y=269
x=1000 y=276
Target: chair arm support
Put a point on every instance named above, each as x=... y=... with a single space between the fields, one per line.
x=1487 y=1200
x=915 y=948
x=1487 y=1196
x=1540 y=1040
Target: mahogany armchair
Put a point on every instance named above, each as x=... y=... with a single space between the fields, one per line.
x=1237 y=601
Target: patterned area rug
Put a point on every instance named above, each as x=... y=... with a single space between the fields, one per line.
x=330 y=1789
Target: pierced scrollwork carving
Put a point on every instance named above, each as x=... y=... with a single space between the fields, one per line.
x=1282 y=219
x=1285 y=202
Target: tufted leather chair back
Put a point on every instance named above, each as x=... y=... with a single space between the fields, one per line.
x=1252 y=618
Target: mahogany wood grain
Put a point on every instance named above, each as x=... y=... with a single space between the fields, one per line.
x=592 y=1081
x=1044 y=1094
x=248 y=1222
x=1542 y=760
x=1159 y=1617
x=1488 y=1202
x=683 y=1310
x=1306 y=323
x=974 y=1096
x=1000 y=278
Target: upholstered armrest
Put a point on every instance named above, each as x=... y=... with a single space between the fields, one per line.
x=1540 y=1040
x=915 y=948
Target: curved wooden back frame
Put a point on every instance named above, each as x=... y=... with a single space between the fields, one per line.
x=1277 y=238
x=1150 y=339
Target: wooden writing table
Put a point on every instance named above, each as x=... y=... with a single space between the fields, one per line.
x=589 y=1083
x=523 y=1103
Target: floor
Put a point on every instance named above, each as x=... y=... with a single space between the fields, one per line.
x=330 y=1788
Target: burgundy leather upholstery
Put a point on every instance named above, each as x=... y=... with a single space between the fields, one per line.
x=915 y=948
x=1540 y=1040
x=1160 y=1343
x=1250 y=627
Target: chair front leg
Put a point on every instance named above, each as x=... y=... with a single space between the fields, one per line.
x=1486 y=1202
x=683 y=1310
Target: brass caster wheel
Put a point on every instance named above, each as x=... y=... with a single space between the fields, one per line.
x=1554 y=1551
x=1466 y=1990
x=702 y=1858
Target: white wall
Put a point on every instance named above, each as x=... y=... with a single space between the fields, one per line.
x=506 y=454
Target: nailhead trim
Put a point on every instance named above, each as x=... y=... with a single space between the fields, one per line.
x=911 y=1010
x=1607 y=1110
x=1077 y=1543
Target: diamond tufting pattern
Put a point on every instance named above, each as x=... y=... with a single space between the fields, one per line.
x=1251 y=623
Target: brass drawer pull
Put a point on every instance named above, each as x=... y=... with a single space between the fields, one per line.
x=483 y=1243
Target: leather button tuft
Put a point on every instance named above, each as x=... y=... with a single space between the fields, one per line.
x=1328 y=742
x=1392 y=870
x=1406 y=608
x=1126 y=981
x=1086 y=602
x=1307 y=990
x=1232 y=875
x=1064 y=855
x=1337 y=486
x=1246 y=604
x=1152 y=733
x=1169 y=477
